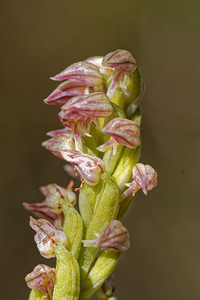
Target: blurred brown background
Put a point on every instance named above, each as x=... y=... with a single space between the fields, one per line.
x=41 y=38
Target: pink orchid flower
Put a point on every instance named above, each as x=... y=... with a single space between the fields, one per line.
x=79 y=112
x=89 y=167
x=145 y=178
x=114 y=238
x=123 y=131
x=41 y=278
x=47 y=237
x=123 y=62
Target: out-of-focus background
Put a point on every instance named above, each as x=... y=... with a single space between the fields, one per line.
x=41 y=38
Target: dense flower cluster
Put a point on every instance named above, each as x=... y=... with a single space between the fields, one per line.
x=100 y=141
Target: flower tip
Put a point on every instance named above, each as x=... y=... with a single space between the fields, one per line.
x=54 y=78
x=145 y=192
x=44 y=144
x=45 y=100
x=31 y=222
x=25 y=204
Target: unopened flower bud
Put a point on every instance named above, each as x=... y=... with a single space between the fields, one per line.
x=123 y=131
x=114 y=238
x=41 y=278
x=65 y=91
x=145 y=178
x=120 y=60
x=83 y=72
x=47 y=237
x=55 y=194
x=123 y=62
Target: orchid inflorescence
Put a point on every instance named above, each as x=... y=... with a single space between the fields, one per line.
x=100 y=141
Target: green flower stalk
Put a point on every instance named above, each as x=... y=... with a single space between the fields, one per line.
x=101 y=114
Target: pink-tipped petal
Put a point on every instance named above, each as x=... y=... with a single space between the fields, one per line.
x=58 y=132
x=60 y=101
x=64 y=92
x=114 y=238
x=41 y=278
x=83 y=72
x=47 y=237
x=125 y=132
x=95 y=105
x=42 y=211
x=120 y=60
x=59 y=143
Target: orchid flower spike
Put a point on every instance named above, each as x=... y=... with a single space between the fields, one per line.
x=65 y=91
x=42 y=211
x=47 y=237
x=55 y=194
x=83 y=72
x=79 y=112
x=114 y=238
x=123 y=62
x=41 y=278
x=58 y=132
x=145 y=178
x=123 y=131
